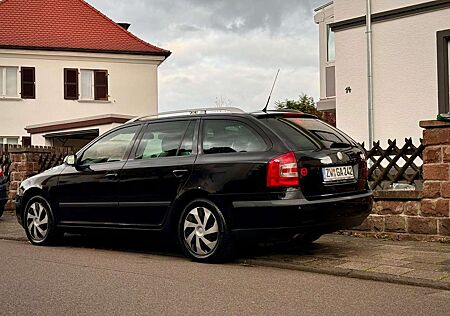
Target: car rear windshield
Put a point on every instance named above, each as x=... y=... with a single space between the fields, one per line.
x=295 y=138
x=299 y=132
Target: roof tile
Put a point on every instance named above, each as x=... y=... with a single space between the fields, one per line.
x=72 y=25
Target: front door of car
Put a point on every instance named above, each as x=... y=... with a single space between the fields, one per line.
x=156 y=171
x=88 y=191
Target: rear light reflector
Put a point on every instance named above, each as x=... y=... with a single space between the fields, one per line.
x=304 y=172
x=282 y=171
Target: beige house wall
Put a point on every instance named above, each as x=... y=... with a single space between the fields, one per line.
x=404 y=69
x=348 y=9
x=132 y=80
x=405 y=76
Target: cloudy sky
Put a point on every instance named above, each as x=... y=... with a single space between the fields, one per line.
x=226 y=51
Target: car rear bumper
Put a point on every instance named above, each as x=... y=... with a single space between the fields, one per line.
x=300 y=215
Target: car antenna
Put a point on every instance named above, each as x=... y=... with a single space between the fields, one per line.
x=270 y=94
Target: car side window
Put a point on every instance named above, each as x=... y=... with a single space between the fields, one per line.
x=110 y=148
x=166 y=139
x=228 y=136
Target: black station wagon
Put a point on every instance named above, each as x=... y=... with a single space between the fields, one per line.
x=210 y=177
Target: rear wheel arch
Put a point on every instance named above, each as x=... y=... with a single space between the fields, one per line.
x=180 y=203
x=184 y=199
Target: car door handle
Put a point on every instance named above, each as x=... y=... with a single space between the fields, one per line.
x=112 y=175
x=180 y=173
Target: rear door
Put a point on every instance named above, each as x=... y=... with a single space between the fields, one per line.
x=156 y=171
x=233 y=158
x=332 y=162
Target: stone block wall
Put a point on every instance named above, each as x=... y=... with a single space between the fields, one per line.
x=423 y=215
x=25 y=162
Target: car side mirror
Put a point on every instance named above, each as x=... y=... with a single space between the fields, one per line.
x=70 y=160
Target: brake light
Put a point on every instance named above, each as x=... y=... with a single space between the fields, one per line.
x=282 y=171
x=1 y=172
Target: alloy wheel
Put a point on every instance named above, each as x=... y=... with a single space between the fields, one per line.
x=37 y=221
x=201 y=231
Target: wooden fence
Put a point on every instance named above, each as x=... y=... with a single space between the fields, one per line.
x=395 y=164
x=50 y=160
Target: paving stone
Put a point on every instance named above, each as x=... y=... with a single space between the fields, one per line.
x=394 y=256
x=391 y=270
x=425 y=266
x=379 y=261
x=394 y=248
x=430 y=260
x=429 y=275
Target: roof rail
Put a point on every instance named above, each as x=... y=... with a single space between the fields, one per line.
x=189 y=112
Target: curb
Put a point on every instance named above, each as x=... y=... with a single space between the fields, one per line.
x=13 y=238
x=381 y=277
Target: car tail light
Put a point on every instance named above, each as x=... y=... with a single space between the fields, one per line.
x=282 y=171
x=1 y=172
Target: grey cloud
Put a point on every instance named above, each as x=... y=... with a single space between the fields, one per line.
x=226 y=48
x=187 y=28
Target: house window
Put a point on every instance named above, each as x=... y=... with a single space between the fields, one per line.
x=8 y=82
x=330 y=81
x=443 y=63
x=28 y=83
x=10 y=140
x=331 y=54
x=93 y=84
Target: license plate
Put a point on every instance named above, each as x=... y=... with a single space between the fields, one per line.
x=337 y=173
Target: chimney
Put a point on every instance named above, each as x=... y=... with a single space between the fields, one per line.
x=123 y=25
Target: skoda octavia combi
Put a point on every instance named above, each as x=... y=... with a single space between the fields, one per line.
x=208 y=177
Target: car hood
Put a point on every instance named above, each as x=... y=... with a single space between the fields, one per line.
x=40 y=178
x=53 y=171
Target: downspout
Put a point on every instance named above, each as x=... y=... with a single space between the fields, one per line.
x=369 y=71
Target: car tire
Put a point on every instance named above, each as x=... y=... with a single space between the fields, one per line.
x=39 y=222
x=203 y=233
x=2 y=208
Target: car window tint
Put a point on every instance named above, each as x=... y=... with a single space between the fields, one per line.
x=322 y=130
x=110 y=148
x=227 y=136
x=162 y=140
x=291 y=134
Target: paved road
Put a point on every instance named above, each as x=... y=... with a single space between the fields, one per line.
x=72 y=279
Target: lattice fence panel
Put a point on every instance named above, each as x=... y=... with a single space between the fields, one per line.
x=395 y=164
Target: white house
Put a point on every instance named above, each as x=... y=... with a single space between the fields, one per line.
x=68 y=73
x=410 y=40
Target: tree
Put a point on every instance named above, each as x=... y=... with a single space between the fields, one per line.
x=223 y=102
x=304 y=104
